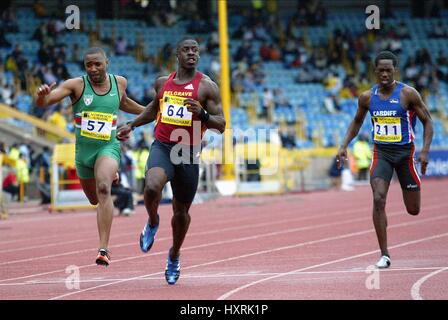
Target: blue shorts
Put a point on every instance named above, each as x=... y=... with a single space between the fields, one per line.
x=181 y=166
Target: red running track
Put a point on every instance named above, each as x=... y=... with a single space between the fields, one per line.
x=318 y=245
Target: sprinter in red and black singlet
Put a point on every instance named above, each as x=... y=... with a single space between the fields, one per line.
x=173 y=114
x=393 y=107
x=187 y=103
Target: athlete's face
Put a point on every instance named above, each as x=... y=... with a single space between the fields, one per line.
x=385 y=72
x=96 y=65
x=188 y=54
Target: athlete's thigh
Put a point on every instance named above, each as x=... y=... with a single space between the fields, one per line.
x=406 y=171
x=156 y=179
x=185 y=182
x=105 y=169
x=381 y=168
x=89 y=188
x=159 y=159
x=410 y=182
x=412 y=201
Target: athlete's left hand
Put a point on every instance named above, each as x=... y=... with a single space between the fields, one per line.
x=423 y=159
x=193 y=106
x=124 y=132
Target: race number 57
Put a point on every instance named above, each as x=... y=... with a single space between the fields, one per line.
x=91 y=125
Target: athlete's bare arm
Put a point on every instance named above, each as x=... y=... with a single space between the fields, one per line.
x=415 y=103
x=355 y=125
x=127 y=104
x=211 y=99
x=148 y=115
x=48 y=94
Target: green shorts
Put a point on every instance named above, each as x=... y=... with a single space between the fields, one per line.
x=86 y=156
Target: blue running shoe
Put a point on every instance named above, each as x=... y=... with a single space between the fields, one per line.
x=147 y=236
x=172 y=271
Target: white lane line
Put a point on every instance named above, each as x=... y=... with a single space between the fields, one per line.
x=162 y=239
x=84 y=213
x=210 y=232
x=415 y=290
x=230 y=293
x=238 y=222
x=249 y=226
x=348 y=235
x=219 y=275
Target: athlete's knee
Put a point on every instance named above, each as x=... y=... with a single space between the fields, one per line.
x=152 y=188
x=379 y=200
x=181 y=216
x=103 y=189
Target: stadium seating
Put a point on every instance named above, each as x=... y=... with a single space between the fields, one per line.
x=307 y=100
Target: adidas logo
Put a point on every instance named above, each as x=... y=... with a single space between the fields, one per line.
x=393 y=101
x=189 y=87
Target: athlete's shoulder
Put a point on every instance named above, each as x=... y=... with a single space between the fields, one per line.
x=161 y=80
x=208 y=82
x=407 y=89
x=74 y=83
x=77 y=80
x=120 y=79
x=364 y=97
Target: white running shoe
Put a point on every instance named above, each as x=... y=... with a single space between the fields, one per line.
x=383 y=263
x=127 y=212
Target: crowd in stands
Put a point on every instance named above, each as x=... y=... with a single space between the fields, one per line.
x=341 y=62
x=29 y=165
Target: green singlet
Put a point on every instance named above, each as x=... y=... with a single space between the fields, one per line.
x=96 y=124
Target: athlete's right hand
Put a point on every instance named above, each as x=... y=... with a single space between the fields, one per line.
x=45 y=89
x=124 y=132
x=341 y=157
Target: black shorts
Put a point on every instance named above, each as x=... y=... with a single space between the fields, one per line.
x=181 y=165
x=386 y=158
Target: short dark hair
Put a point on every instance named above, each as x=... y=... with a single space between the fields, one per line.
x=179 y=43
x=386 y=55
x=95 y=50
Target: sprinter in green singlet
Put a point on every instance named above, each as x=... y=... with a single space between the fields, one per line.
x=96 y=99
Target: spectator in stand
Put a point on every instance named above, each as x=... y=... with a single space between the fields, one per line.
x=10 y=185
x=265 y=52
x=56 y=118
x=288 y=138
x=267 y=104
x=42 y=164
x=402 y=31
x=7 y=94
x=60 y=70
x=47 y=75
x=39 y=9
x=44 y=54
x=121 y=47
x=274 y=53
x=23 y=174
